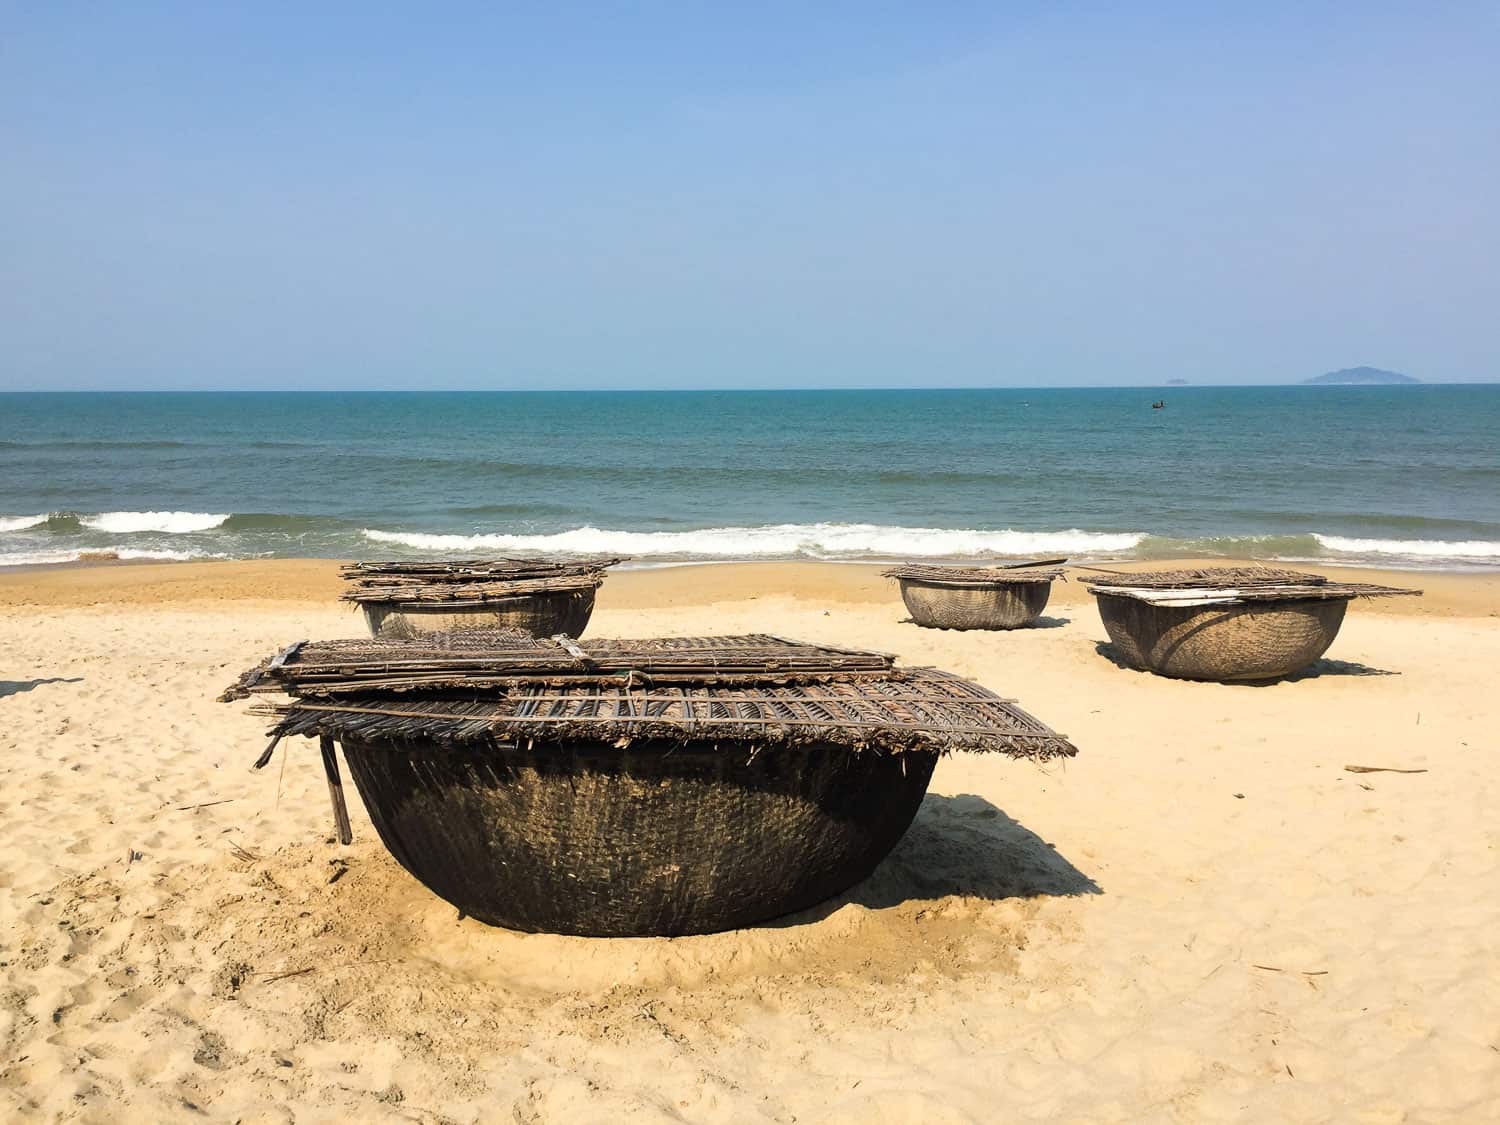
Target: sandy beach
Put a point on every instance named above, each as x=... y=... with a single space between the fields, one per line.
x=1204 y=916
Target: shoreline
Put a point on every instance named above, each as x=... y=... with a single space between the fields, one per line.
x=316 y=581
x=1235 y=551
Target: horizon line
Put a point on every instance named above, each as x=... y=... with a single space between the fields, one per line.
x=708 y=390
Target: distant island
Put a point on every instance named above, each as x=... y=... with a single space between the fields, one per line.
x=1177 y=382
x=1360 y=377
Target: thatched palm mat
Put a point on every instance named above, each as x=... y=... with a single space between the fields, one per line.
x=470 y=580
x=752 y=690
x=1230 y=585
x=996 y=574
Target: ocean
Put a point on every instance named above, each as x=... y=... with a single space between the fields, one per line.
x=1393 y=476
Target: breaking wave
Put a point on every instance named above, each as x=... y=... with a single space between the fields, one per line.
x=173 y=523
x=817 y=541
x=120 y=554
x=1412 y=548
x=67 y=536
x=21 y=523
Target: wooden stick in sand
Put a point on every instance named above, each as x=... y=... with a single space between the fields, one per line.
x=336 y=791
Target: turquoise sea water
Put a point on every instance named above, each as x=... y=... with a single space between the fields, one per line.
x=1401 y=476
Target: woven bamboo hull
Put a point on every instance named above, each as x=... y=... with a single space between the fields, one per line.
x=541 y=615
x=1012 y=605
x=659 y=838
x=1255 y=641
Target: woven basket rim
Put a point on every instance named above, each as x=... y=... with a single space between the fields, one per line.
x=973 y=576
x=472 y=594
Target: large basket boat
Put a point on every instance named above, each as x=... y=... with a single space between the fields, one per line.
x=542 y=597
x=1225 y=623
x=999 y=596
x=615 y=788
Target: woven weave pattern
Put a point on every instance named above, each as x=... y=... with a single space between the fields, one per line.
x=923 y=710
x=655 y=786
x=539 y=615
x=478 y=658
x=469 y=580
x=992 y=606
x=658 y=839
x=999 y=596
x=1248 y=641
x=1207 y=576
x=756 y=689
x=541 y=597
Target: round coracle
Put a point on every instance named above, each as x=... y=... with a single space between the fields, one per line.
x=659 y=838
x=543 y=614
x=1010 y=605
x=1258 y=640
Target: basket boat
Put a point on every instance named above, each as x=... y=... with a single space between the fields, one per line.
x=541 y=597
x=1001 y=596
x=629 y=788
x=1225 y=623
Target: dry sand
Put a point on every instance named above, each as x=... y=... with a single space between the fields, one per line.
x=1202 y=917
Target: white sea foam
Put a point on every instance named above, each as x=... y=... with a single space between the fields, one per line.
x=168 y=556
x=21 y=523
x=817 y=540
x=38 y=558
x=124 y=523
x=1412 y=548
x=52 y=558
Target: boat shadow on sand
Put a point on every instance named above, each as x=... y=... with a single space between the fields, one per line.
x=1043 y=622
x=1316 y=670
x=16 y=687
x=960 y=846
x=1046 y=622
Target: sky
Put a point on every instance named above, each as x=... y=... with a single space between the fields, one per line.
x=403 y=196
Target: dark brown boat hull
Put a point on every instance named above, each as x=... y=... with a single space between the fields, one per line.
x=541 y=615
x=654 y=839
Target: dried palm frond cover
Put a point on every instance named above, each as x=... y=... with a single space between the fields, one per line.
x=501 y=657
x=461 y=570
x=1230 y=584
x=467 y=582
x=992 y=574
x=757 y=690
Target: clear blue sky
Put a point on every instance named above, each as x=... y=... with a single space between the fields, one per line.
x=388 y=196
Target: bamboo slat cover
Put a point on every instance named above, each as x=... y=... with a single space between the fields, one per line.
x=757 y=689
x=1207 y=576
x=470 y=581
x=1230 y=585
x=919 y=709
x=459 y=570
x=489 y=658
